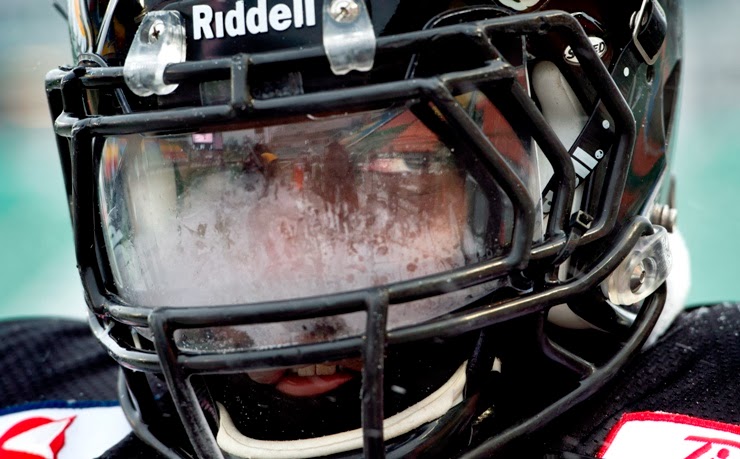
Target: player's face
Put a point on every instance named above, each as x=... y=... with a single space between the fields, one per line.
x=301 y=210
x=328 y=221
x=319 y=224
x=339 y=226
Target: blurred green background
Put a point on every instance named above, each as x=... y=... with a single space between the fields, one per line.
x=37 y=266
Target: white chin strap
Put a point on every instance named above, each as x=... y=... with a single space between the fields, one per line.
x=434 y=406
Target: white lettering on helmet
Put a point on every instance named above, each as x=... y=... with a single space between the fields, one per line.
x=257 y=19
x=599 y=46
x=202 y=17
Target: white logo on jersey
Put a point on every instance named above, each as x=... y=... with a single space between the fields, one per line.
x=255 y=20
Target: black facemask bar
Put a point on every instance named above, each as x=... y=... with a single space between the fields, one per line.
x=497 y=79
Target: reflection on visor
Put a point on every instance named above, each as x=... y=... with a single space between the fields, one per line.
x=289 y=211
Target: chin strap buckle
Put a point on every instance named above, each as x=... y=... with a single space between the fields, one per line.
x=649 y=29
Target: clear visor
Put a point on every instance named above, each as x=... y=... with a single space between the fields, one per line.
x=315 y=207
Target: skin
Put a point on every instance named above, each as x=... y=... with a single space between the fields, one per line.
x=293 y=225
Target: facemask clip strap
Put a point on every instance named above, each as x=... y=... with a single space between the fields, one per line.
x=349 y=37
x=159 y=42
x=649 y=29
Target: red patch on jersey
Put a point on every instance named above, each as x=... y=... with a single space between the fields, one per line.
x=673 y=435
x=34 y=438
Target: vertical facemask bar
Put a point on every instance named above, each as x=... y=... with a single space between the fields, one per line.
x=164 y=322
x=520 y=107
x=618 y=108
x=56 y=107
x=642 y=327
x=83 y=218
x=141 y=413
x=498 y=167
x=559 y=354
x=182 y=391
x=373 y=376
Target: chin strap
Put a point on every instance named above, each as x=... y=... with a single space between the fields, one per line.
x=238 y=445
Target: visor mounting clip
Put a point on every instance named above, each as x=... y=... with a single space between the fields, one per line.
x=159 y=42
x=649 y=29
x=348 y=36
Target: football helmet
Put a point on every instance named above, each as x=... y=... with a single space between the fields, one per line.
x=358 y=227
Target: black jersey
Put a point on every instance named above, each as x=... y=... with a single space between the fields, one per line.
x=690 y=377
x=693 y=371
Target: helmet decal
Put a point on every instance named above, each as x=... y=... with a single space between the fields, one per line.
x=599 y=46
x=239 y=21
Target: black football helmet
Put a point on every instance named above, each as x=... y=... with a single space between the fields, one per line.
x=339 y=228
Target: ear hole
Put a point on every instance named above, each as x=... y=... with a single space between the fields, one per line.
x=670 y=98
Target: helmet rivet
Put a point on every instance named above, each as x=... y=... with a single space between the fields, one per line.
x=344 y=11
x=599 y=154
x=665 y=216
x=156 y=31
x=639 y=274
x=633 y=18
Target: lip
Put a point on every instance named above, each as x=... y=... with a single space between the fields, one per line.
x=311 y=386
x=290 y=382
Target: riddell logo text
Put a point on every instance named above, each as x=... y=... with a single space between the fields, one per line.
x=255 y=20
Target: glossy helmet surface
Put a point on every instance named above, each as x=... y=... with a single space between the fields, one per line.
x=540 y=129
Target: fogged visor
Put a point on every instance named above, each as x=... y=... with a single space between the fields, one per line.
x=325 y=205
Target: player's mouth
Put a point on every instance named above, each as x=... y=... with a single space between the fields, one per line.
x=309 y=380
